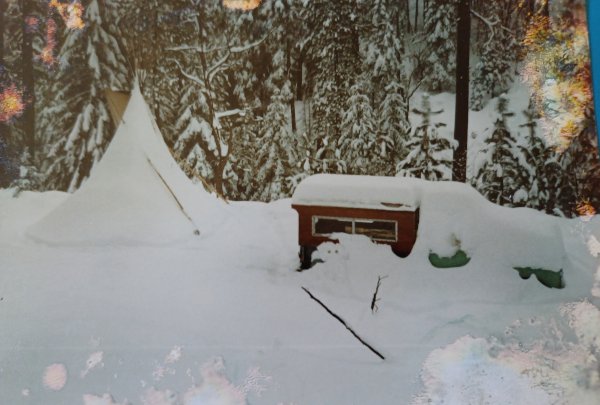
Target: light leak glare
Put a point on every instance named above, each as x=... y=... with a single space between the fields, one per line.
x=55 y=377
x=11 y=103
x=47 y=54
x=241 y=4
x=557 y=70
x=71 y=13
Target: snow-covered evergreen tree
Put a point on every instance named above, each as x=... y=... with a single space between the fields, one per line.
x=541 y=167
x=29 y=178
x=80 y=110
x=493 y=74
x=498 y=175
x=8 y=164
x=24 y=132
x=430 y=152
x=580 y=180
x=216 y=126
x=333 y=65
x=384 y=55
x=440 y=31
x=384 y=47
x=276 y=151
x=239 y=174
x=357 y=142
x=196 y=147
x=536 y=154
x=393 y=130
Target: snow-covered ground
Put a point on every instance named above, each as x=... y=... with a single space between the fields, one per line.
x=222 y=319
x=109 y=296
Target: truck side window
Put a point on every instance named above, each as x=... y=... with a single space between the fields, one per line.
x=376 y=230
x=326 y=226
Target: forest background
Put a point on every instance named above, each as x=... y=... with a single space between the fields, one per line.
x=251 y=102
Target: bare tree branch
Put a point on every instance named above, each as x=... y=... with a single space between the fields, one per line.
x=374 y=307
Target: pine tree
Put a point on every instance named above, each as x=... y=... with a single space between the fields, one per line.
x=440 y=31
x=394 y=130
x=239 y=178
x=384 y=51
x=493 y=74
x=217 y=65
x=332 y=54
x=21 y=66
x=536 y=155
x=383 y=62
x=498 y=175
x=8 y=164
x=195 y=147
x=357 y=142
x=542 y=167
x=580 y=180
x=276 y=153
x=430 y=155
x=29 y=178
x=80 y=110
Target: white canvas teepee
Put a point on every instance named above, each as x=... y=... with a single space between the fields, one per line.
x=136 y=195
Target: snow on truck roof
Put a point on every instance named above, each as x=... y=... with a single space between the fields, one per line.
x=372 y=192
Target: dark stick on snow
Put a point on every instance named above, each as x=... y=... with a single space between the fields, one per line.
x=374 y=306
x=345 y=324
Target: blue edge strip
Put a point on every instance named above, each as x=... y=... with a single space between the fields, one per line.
x=593 y=7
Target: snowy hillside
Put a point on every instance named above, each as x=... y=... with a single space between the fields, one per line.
x=223 y=319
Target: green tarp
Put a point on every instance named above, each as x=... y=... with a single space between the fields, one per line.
x=459 y=259
x=549 y=278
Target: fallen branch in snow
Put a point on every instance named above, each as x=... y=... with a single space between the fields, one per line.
x=345 y=324
x=374 y=306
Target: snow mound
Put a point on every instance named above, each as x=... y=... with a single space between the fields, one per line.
x=455 y=215
x=491 y=371
x=137 y=194
x=21 y=211
x=389 y=193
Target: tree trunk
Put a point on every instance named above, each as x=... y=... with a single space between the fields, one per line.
x=461 y=120
x=289 y=74
x=211 y=108
x=299 y=76
x=416 y=25
x=407 y=12
x=3 y=73
x=2 y=68
x=28 y=78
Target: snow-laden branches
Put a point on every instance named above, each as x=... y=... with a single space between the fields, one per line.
x=192 y=77
x=220 y=63
x=491 y=24
x=228 y=48
x=223 y=114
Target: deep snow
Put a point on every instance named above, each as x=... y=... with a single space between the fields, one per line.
x=221 y=318
x=197 y=322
